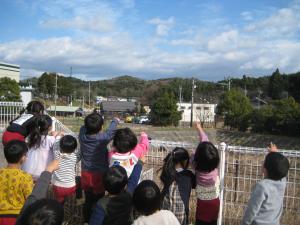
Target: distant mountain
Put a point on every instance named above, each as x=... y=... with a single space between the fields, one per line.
x=147 y=90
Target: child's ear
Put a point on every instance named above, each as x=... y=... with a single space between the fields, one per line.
x=23 y=159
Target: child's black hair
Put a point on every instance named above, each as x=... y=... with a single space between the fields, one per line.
x=115 y=180
x=124 y=140
x=168 y=174
x=93 y=123
x=147 y=197
x=14 y=151
x=206 y=157
x=42 y=212
x=35 y=136
x=68 y=144
x=277 y=166
x=35 y=108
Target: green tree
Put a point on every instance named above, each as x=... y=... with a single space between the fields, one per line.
x=236 y=108
x=286 y=116
x=277 y=85
x=46 y=84
x=164 y=110
x=262 y=119
x=9 y=90
x=280 y=117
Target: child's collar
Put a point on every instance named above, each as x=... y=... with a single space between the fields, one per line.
x=179 y=169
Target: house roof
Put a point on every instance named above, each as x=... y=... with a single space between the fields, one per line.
x=60 y=108
x=114 y=106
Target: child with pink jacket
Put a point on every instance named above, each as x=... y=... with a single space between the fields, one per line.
x=126 y=149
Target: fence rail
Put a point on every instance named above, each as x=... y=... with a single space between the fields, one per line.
x=9 y=111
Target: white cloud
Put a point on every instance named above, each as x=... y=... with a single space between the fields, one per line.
x=162 y=26
x=225 y=41
x=247 y=16
x=285 y=22
x=210 y=50
x=128 y=3
x=97 y=23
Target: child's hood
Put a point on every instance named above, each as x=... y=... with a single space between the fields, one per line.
x=207 y=178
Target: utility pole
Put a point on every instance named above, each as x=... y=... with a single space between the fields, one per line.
x=192 y=102
x=229 y=83
x=55 y=96
x=89 y=94
x=180 y=95
x=71 y=71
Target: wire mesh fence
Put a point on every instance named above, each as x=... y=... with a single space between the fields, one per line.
x=242 y=169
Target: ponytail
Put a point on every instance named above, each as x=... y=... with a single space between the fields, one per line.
x=34 y=137
x=40 y=127
x=168 y=174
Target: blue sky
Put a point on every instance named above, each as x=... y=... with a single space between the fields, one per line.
x=151 y=39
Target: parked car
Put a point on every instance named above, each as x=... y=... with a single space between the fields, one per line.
x=80 y=112
x=144 y=120
x=128 y=119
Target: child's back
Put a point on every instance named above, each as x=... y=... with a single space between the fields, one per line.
x=116 y=207
x=93 y=146
x=147 y=201
x=25 y=124
x=94 y=158
x=64 y=178
x=266 y=202
x=269 y=195
x=40 y=149
x=39 y=157
x=206 y=161
x=127 y=151
x=178 y=182
x=15 y=184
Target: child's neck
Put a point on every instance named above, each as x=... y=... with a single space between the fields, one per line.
x=14 y=165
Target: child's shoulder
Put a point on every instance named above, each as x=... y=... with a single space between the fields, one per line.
x=16 y=173
x=26 y=175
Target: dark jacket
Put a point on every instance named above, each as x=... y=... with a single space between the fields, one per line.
x=23 y=124
x=117 y=210
x=94 y=150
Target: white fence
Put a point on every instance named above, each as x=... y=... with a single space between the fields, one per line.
x=9 y=111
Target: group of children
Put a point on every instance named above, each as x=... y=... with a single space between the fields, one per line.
x=110 y=179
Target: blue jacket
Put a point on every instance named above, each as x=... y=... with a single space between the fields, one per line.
x=94 y=152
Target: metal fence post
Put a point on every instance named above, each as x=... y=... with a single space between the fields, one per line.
x=222 y=148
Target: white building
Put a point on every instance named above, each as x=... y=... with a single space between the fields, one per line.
x=26 y=94
x=10 y=70
x=204 y=111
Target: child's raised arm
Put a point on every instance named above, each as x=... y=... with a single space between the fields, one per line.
x=110 y=132
x=142 y=147
x=202 y=136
